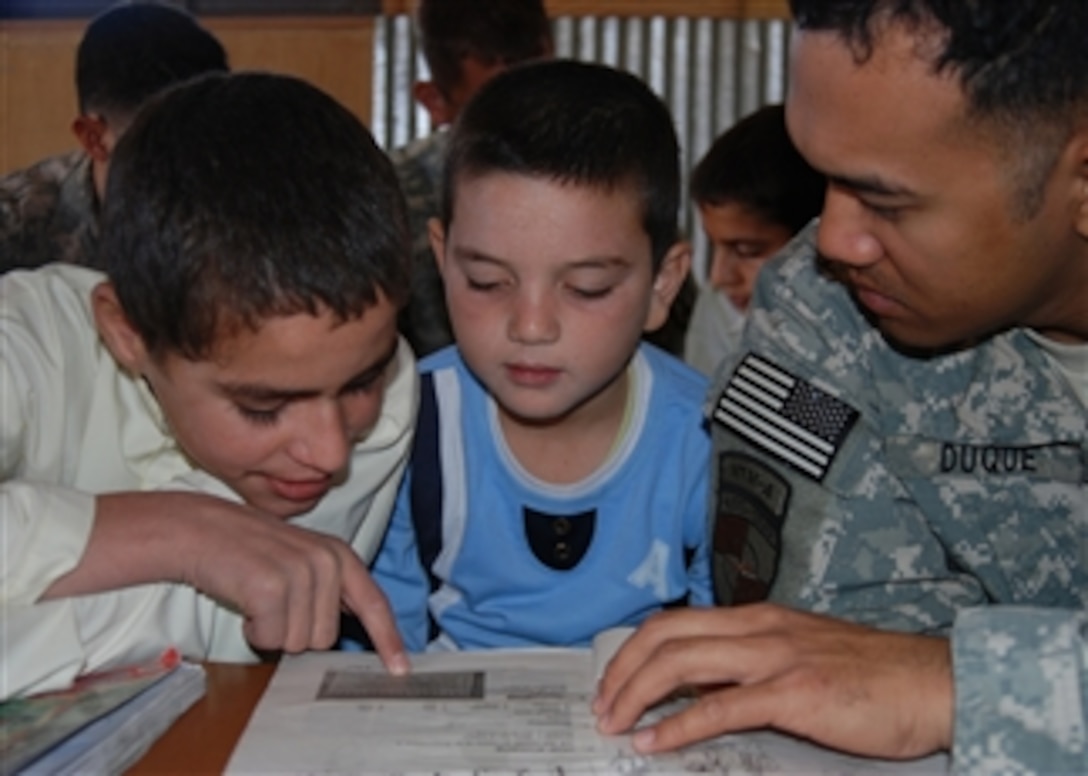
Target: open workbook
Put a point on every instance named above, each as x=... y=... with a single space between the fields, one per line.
x=503 y=711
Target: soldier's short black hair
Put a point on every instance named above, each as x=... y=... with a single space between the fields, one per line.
x=492 y=31
x=1023 y=66
x=754 y=163
x=235 y=198
x=574 y=123
x=131 y=51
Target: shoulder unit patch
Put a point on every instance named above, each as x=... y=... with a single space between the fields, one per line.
x=750 y=508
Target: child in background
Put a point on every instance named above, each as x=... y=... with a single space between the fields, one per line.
x=201 y=447
x=558 y=483
x=754 y=192
x=465 y=43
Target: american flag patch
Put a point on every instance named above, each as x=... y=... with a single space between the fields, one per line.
x=785 y=416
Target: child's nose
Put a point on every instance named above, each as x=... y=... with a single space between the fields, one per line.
x=533 y=320
x=724 y=269
x=323 y=440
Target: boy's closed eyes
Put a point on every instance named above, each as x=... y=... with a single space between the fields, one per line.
x=587 y=279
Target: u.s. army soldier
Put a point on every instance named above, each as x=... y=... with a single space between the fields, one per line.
x=903 y=440
x=130 y=52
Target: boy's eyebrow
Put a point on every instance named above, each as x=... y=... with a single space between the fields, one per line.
x=590 y=262
x=258 y=392
x=471 y=254
x=745 y=241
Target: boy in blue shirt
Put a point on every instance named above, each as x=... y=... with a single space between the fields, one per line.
x=558 y=483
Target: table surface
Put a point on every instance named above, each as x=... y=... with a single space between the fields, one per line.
x=201 y=740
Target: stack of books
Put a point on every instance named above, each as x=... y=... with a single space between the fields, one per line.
x=101 y=724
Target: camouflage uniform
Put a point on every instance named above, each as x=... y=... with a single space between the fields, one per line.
x=942 y=495
x=424 y=321
x=49 y=212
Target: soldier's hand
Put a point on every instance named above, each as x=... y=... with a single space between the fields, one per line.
x=849 y=687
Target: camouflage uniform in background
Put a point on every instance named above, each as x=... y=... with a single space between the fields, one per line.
x=48 y=213
x=944 y=495
x=424 y=321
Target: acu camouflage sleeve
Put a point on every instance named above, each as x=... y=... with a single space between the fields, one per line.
x=1021 y=691
x=805 y=508
x=424 y=320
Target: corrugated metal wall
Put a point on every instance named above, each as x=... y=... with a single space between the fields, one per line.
x=709 y=71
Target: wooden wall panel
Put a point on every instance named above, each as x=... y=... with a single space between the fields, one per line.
x=37 y=90
x=334 y=53
x=37 y=66
x=37 y=94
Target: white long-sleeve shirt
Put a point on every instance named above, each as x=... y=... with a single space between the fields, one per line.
x=73 y=425
x=714 y=331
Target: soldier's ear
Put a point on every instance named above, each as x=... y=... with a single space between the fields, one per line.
x=91 y=130
x=434 y=102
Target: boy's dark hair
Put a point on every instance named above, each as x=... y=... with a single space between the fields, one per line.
x=1023 y=66
x=492 y=31
x=755 y=164
x=573 y=123
x=233 y=199
x=132 y=51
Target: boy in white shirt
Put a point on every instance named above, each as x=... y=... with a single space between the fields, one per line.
x=201 y=447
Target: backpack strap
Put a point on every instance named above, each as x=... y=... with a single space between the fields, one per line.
x=425 y=504
x=425 y=494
